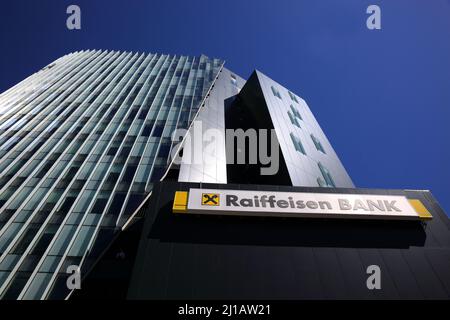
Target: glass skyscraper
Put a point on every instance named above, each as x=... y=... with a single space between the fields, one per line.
x=81 y=143
x=83 y=140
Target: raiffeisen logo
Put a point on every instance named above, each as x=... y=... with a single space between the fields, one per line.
x=210 y=199
x=299 y=204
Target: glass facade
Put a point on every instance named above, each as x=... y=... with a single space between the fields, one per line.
x=81 y=143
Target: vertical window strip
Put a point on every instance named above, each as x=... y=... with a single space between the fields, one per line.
x=275 y=92
x=297 y=143
x=326 y=175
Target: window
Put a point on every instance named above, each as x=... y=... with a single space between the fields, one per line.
x=159 y=128
x=297 y=144
x=293 y=97
x=275 y=92
x=294 y=120
x=99 y=206
x=81 y=241
x=295 y=116
x=317 y=143
x=329 y=182
x=233 y=80
x=321 y=182
x=296 y=112
x=61 y=243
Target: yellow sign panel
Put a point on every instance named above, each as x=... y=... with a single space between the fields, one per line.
x=210 y=199
x=180 y=202
x=423 y=212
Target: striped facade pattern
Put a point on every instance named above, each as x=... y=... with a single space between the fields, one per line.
x=81 y=143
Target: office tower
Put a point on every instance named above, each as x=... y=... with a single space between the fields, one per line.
x=83 y=141
x=306 y=158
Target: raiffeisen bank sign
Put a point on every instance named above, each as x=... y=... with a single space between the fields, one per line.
x=299 y=204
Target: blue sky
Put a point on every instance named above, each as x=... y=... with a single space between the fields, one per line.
x=382 y=97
